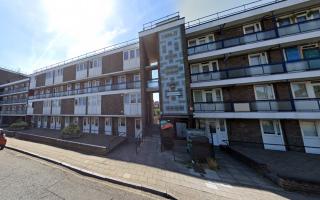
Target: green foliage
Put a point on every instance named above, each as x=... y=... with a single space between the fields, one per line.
x=71 y=131
x=18 y=125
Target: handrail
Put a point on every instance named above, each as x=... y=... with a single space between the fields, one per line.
x=10 y=101
x=262 y=35
x=89 y=54
x=257 y=70
x=16 y=90
x=94 y=89
x=152 y=24
x=230 y=12
x=286 y=105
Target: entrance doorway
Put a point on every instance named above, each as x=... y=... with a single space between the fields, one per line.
x=155 y=108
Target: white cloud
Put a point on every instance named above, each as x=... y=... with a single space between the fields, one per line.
x=76 y=27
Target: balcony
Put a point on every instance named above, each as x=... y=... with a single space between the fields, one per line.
x=14 y=101
x=16 y=90
x=258 y=70
x=153 y=85
x=292 y=105
x=13 y=112
x=96 y=89
x=292 y=29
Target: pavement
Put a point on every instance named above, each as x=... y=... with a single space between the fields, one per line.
x=23 y=177
x=286 y=164
x=232 y=181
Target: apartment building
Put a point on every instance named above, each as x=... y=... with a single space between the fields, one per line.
x=13 y=96
x=248 y=75
x=100 y=93
x=255 y=76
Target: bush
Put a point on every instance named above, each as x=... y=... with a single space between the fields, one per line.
x=19 y=125
x=71 y=131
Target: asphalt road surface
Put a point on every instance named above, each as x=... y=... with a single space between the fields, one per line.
x=23 y=177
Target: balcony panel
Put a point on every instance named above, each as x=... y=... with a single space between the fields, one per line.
x=307 y=105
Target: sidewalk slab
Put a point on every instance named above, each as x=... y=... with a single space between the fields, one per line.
x=172 y=184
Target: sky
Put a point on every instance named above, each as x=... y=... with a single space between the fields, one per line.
x=38 y=33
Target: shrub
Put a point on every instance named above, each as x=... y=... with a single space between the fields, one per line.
x=71 y=131
x=19 y=125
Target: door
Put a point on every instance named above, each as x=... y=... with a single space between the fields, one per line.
x=66 y=121
x=216 y=131
x=52 y=123
x=122 y=130
x=311 y=136
x=108 y=126
x=94 y=125
x=181 y=129
x=39 y=122
x=44 y=122
x=86 y=125
x=272 y=135
x=121 y=82
x=138 y=128
x=58 y=123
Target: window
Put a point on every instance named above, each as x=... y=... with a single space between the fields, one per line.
x=264 y=92
x=271 y=127
x=122 y=79
x=284 y=21
x=133 y=98
x=315 y=14
x=301 y=18
x=195 y=68
x=192 y=43
x=292 y=54
x=311 y=51
x=300 y=90
x=197 y=95
x=258 y=59
x=208 y=96
x=131 y=54
x=125 y=55
x=251 y=28
x=108 y=121
x=309 y=128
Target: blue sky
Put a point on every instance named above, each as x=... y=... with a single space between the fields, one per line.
x=37 y=33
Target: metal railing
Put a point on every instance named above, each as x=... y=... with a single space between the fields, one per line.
x=259 y=70
x=11 y=101
x=90 y=54
x=301 y=27
x=230 y=12
x=16 y=90
x=291 y=105
x=154 y=23
x=88 y=90
x=13 y=112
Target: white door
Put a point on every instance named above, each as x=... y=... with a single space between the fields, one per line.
x=136 y=79
x=94 y=125
x=58 y=123
x=272 y=135
x=86 y=125
x=66 y=121
x=217 y=131
x=122 y=129
x=52 y=123
x=39 y=122
x=108 y=126
x=44 y=122
x=311 y=136
x=138 y=128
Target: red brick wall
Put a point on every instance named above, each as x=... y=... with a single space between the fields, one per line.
x=292 y=135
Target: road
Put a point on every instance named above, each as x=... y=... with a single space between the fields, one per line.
x=23 y=177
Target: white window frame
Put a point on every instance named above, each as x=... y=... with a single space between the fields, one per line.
x=317 y=123
x=256 y=26
x=213 y=94
x=262 y=54
x=267 y=85
x=274 y=126
x=200 y=66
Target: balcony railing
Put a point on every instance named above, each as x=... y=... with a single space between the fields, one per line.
x=88 y=90
x=259 y=70
x=16 y=90
x=11 y=101
x=13 y=112
x=153 y=84
x=301 y=27
x=292 y=105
